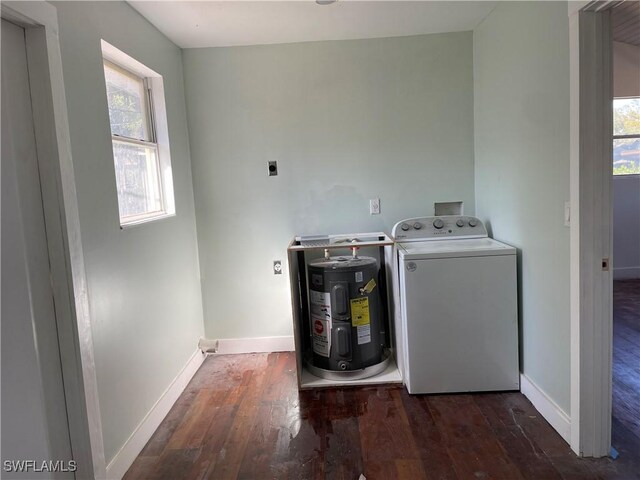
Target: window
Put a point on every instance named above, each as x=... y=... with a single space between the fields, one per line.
x=139 y=135
x=626 y=136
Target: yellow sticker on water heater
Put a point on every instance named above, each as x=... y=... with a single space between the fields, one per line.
x=368 y=288
x=360 y=312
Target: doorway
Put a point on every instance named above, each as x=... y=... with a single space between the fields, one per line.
x=34 y=413
x=625 y=422
x=592 y=270
x=53 y=202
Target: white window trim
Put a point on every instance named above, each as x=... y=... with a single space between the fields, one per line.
x=159 y=131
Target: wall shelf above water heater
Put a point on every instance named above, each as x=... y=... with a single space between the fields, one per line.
x=303 y=250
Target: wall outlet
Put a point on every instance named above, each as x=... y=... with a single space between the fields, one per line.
x=277 y=267
x=374 y=206
x=273 y=169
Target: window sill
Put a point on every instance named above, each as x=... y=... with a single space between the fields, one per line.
x=626 y=175
x=140 y=221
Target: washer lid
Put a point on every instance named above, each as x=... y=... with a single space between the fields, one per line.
x=475 y=247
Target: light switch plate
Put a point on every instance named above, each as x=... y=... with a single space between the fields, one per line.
x=374 y=206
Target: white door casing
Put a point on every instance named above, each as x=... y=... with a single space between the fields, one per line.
x=68 y=278
x=591 y=228
x=34 y=413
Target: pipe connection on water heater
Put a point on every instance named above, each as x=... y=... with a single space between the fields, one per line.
x=354 y=250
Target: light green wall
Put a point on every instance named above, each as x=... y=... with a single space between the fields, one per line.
x=521 y=82
x=144 y=286
x=347 y=121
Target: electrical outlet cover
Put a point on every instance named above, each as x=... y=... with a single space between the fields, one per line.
x=277 y=267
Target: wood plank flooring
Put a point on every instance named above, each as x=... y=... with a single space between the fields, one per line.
x=241 y=417
x=625 y=432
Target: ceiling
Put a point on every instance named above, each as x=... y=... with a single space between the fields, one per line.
x=626 y=22
x=227 y=23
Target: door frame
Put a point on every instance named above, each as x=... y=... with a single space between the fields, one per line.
x=62 y=223
x=591 y=225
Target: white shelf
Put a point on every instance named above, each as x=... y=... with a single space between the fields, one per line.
x=369 y=239
x=390 y=375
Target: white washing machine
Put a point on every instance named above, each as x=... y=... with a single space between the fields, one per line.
x=458 y=306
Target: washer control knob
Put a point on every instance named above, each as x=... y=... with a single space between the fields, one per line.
x=473 y=222
x=460 y=222
x=438 y=223
x=405 y=227
x=417 y=225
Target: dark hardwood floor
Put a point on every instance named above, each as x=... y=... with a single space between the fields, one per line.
x=243 y=417
x=626 y=367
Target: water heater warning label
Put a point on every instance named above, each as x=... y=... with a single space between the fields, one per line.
x=364 y=334
x=360 y=311
x=360 y=319
x=321 y=322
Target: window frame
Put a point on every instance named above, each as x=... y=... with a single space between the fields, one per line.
x=147 y=100
x=623 y=137
x=155 y=116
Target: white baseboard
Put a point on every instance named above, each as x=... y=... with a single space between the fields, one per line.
x=143 y=432
x=255 y=345
x=549 y=409
x=626 y=273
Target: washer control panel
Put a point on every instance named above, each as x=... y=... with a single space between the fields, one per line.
x=435 y=228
